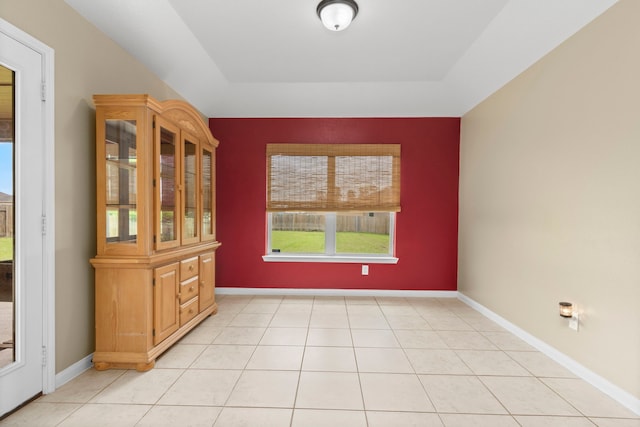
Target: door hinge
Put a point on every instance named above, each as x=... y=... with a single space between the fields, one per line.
x=44 y=225
x=154 y=332
x=154 y=282
x=43 y=91
x=154 y=239
x=44 y=356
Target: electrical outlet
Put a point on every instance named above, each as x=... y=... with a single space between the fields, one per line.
x=365 y=270
x=574 y=322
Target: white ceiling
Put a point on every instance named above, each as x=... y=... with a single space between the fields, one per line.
x=400 y=58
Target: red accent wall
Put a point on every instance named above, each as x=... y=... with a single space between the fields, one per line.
x=426 y=228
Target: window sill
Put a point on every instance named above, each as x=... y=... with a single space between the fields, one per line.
x=354 y=259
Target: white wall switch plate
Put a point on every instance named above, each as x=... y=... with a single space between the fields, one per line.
x=574 y=322
x=365 y=270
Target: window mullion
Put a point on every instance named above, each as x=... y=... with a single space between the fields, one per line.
x=392 y=231
x=330 y=234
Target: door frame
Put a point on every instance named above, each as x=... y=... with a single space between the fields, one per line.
x=48 y=202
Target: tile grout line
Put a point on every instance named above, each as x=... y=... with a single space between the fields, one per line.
x=304 y=352
x=404 y=351
x=224 y=405
x=355 y=358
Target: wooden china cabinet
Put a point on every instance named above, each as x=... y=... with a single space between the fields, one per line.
x=156 y=240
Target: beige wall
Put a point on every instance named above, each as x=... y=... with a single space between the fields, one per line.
x=550 y=197
x=86 y=62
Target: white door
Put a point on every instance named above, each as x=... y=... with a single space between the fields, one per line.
x=22 y=378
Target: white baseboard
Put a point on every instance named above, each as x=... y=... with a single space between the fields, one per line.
x=74 y=370
x=335 y=292
x=623 y=397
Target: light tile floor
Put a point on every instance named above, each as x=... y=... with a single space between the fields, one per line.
x=333 y=361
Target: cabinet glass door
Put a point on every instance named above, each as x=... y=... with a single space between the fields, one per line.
x=208 y=194
x=121 y=181
x=166 y=182
x=190 y=233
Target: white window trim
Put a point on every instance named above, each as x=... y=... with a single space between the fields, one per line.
x=330 y=255
x=354 y=259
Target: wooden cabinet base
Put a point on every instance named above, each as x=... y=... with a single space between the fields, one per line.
x=144 y=361
x=140 y=367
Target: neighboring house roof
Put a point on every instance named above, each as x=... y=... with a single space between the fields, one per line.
x=5 y=197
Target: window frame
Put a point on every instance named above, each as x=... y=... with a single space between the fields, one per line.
x=330 y=255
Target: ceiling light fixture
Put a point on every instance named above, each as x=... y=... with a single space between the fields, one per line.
x=336 y=15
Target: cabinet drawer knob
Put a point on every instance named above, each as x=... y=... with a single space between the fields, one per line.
x=191 y=267
x=191 y=289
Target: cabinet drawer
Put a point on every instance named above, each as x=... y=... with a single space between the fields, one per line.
x=188 y=311
x=188 y=289
x=188 y=268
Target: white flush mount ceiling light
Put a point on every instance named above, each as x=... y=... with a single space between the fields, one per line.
x=336 y=15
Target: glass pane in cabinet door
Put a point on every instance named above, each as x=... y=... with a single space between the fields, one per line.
x=190 y=230
x=168 y=206
x=207 y=193
x=121 y=181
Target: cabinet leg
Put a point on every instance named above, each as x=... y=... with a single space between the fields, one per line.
x=101 y=366
x=143 y=367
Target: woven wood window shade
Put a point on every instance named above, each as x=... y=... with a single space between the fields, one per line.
x=333 y=177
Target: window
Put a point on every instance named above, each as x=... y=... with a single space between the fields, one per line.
x=332 y=202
